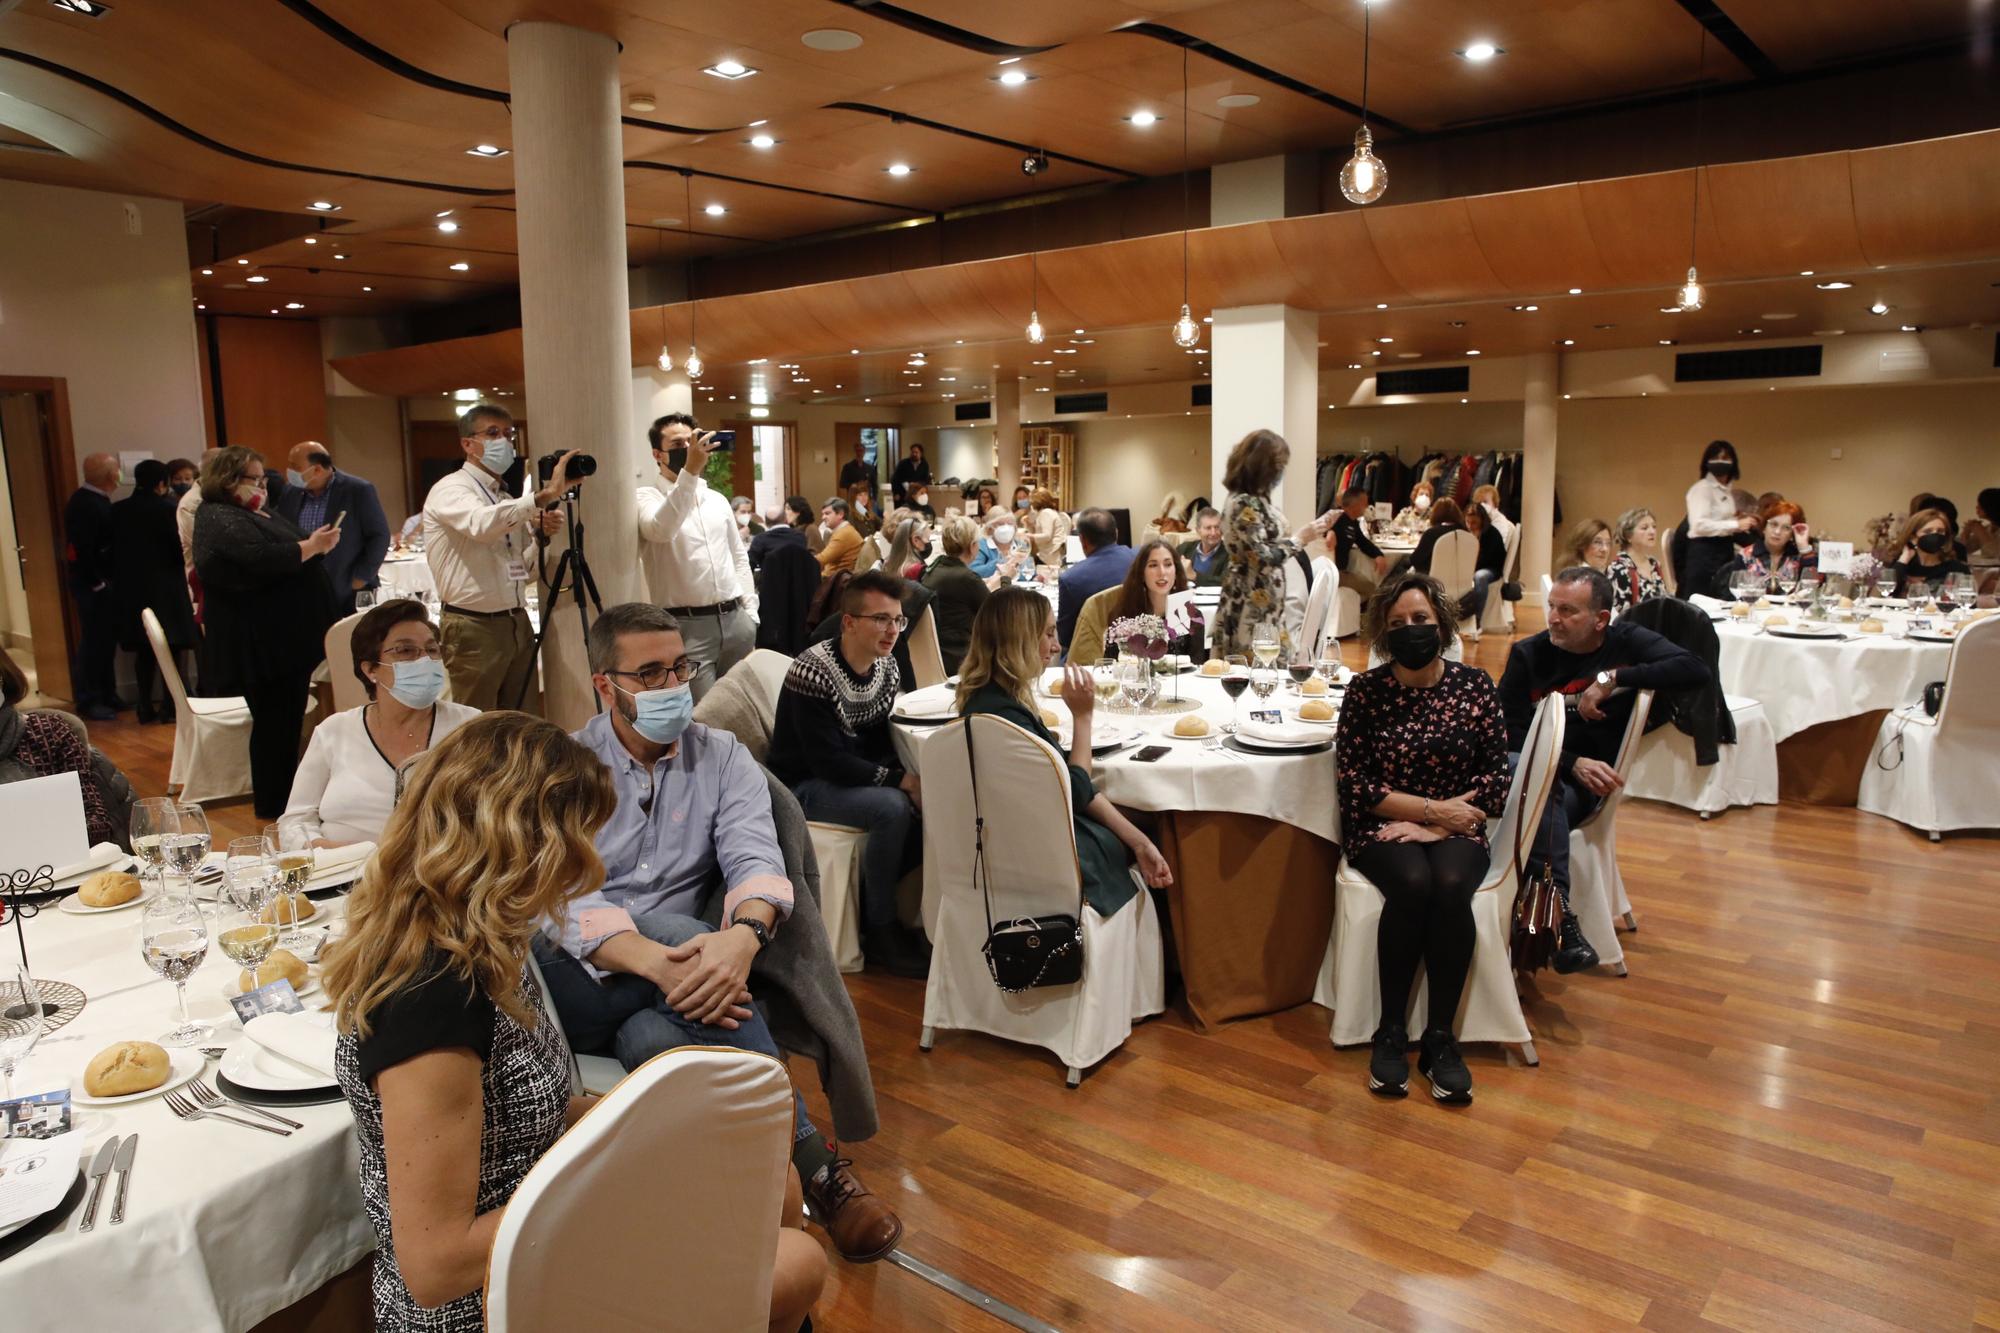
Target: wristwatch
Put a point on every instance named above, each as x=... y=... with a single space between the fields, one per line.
x=757 y=928
x=1608 y=678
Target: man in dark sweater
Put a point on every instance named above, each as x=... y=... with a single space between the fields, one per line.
x=830 y=744
x=1349 y=535
x=1585 y=657
x=87 y=554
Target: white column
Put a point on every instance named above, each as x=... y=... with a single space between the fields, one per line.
x=1266 y=376
x=570 y=192
x=1007 y=434
x=1538 y=471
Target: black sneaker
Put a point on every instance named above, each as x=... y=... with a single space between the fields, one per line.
x=1573 y=951
x=1389 y=1065
x=1440 y=1063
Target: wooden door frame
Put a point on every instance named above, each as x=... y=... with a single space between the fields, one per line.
x=743 y=426
x=58 y=450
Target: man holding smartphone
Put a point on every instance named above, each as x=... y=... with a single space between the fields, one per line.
x=318 y=494
x=696 y=564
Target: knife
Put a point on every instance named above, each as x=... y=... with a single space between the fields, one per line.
x=100 y=1167
x=123 y=1166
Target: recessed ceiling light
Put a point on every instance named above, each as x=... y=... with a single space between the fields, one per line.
x=367 y=289
x=762 y=141
x=641 y=102
x=208 y=273
x=1237 y=101
x=854 y=351
x=1879 y=308
x=340 y=256
x=324 y=206
x=1834 y=286
x=461 y=267
x=1805 y=273
x=257 y=277
x=1385 y=340
x=1666 y=342
x=90 y=9
x=1576 y=291
x=1480 y=52
x=1381 y=305
x=760 y=411
x=1013 y=78
x=295 y=305
x=831 y=39
x=1569 y=342
x=242 y=261
x=729 y=69
x=1828 y=333
x=1458 y=323
x=274 y=310
x=715 y=210
x=1909 y=328
x=1354 y=365
x=1670 y=310
x=1527 y=308
x=487 y=150
x=1472 y=352
x=447 y=227
x=1408 y=356
x=199 y=306
x=312 y=240
x=1143 y=118
x=1604 y=326
x=898 y=168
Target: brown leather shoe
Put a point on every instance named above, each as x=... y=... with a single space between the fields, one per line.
x=861 y=1226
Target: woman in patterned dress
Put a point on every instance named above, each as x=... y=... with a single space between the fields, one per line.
x=1253 y=534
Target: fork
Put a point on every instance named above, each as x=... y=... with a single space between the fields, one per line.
x=187 y=1110
x=212 y=1100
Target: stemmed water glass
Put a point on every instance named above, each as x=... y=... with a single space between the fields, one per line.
x=1234 y=682
x=187 y=850
x=1787 y=579
x=154 y=820
x=1885 y=585
x=173 y=939
x=1329 y=663
x=1265 y=644
x=21 y=1022
x=291 y=840
x=249 y=880
x=1263 y=682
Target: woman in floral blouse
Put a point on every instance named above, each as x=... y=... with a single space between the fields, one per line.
x=1422 y=758
x=1253 y=534
x=1636 y=575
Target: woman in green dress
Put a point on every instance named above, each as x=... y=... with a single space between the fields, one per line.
x=1013 y=641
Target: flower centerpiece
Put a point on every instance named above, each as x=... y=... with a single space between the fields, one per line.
x=1141 y=641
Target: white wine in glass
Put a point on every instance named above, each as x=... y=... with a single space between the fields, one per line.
x=1264 y=645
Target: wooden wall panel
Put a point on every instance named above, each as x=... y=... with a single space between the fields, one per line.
x=273 y=384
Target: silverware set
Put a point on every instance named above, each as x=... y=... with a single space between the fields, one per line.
x=115 y=1155
x=198 y=1101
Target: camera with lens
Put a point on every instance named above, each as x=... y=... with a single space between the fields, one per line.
x=583 y=465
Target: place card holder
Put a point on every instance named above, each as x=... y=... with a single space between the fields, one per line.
x=24 y=892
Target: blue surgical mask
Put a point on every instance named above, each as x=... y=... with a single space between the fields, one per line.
x=497 y=455
x=418 y=684
x=662 y=715
x=295 y=477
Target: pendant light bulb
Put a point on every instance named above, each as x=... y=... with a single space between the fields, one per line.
x=1035 y=326
x=666 y=358
x=1692 y=294
x=693 y=363
x=1364 y=178
x=1187 y=333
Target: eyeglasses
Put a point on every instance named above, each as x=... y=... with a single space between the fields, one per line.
x=498 y=433
x=409 y=652
x=654 y=676
x=885 y=621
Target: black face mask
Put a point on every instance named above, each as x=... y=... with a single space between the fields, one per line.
x=182 y=488
x=677 y=459
x=1932 y=542
x=1413 y=647
x=1720 y=470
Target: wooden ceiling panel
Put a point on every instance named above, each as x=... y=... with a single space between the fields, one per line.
x=1249 y=262
x=1538 y=241
x=1937 y=197
x=1639 y=224
x=1432 y=250
x=1801 y=33
x=1783 y=216
x=1334 y=259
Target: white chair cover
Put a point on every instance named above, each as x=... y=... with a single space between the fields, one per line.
x=604 y=1231
x=1745 y=773
x=211 y=736
x=347 y=691
x=1498 y=613
x=837 y=850
x=1490 y=1007
x=926 y=659
x=1667 y=560
x=1453 y=560
x=1596 y=888
x=1319 y=608
x=1032 y=869
x=1346 y=613
x=744 y=702
x=1949 y=774
x=587 y=1073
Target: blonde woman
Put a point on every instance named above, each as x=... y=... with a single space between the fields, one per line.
x=1589 y=543
x=457 y=1077
x=1636 y=575
x=1013 y=641
x=960 y=592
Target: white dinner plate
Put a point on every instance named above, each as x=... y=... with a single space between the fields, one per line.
x=1932 y=636
x=183 y=1063
x=1805 y=631
x=101 y=856
x=73 y=907
x=249 y=1065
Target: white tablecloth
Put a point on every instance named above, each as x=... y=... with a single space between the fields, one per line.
x=1804 y=682
x=1192 y=775
x=223 y=1225
x=405 y=578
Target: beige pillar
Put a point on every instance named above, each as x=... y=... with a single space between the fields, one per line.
x=570 y=191
x=1007 y=434
x=1266 y=376
x=1538 y=471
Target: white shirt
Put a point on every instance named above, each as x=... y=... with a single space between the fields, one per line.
x=473 y=531
x=184 y=519
x=692 y=552
x=346 y=782
x=1711 y=509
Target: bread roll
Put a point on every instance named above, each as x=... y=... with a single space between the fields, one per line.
x=1050 y=720
x=1191 y=724
x=1775 y=622
x=108 y=888
x=282 y=963
x=1846 y=603
x=1871 y=627
x=1215 y=666
x=126 y=1068
x=1316 y=710
x=302 y=909
x=1739 y=610
x=1313 y=685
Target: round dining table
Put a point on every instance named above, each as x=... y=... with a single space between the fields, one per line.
x=1253 y=840
x=405 y=576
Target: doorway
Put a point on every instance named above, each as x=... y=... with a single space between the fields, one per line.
x=40 y=472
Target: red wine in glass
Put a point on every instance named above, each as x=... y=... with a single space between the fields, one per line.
x=1301 y=673
x=1233 y=686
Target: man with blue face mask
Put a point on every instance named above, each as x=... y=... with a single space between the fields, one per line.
x=634 y=969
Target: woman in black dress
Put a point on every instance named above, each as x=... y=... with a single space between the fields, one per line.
x=146 y=553
x=265 y=605
x=1422 y=755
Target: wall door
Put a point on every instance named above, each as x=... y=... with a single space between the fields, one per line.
x=41 y=473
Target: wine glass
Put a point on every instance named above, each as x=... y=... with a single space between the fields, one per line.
x=1885 y=584
x=291 y=840
x=1787 y=579
x=154 y=820
x=187 y=850
x=1263 y=682
x=1329 y=663
x=248 y=885
x=1104 y=679
x=1301 y=670
x=21 y=1022
x=173 y=939
x=1234 y=682
x=364 y=599
x=1264 y=644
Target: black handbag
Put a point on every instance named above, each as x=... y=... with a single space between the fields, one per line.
x=1933 y=698
x=1538 y=906
x=1030 y=951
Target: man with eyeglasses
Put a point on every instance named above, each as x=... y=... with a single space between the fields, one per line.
x=633 y=967
x=693 y=553
x=480 y=543
x=831 y=745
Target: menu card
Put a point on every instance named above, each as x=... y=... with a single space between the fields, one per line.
x=36 y=1171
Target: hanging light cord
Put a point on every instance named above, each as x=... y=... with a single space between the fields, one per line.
x=1365 y=16
x=1184 y=175
x=1700 y=70
x=687 y=260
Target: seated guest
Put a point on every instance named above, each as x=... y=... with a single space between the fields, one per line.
x=1153 y=575
x=744 y=508
x=1584 y=654
x=145 y=552
x=1443 y=517
x=920 y=502
x=634 y=968
x=1589 y=543
x=843 y=539
x=960 y=591
x=1775 y=557
x=1492 y=559
x=1105 y=563
x=830 y=744
x=40 y=744
x=1926 y=557
x=1049 y=529
x=1013 y=640
x=985 y=498
x=1636 y=575
x=1205 y=556
x=798 y=515
x=1421 y=751
x=1981 y=536
x=1488 y=497
x=1351 y=535
x=906 y=545
x=1023 y=499
x=347 y=781
x=996 y=546
x=861 y=511
x=1416 y=513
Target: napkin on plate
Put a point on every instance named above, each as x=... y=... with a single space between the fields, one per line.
x=931 y=701
x=1283 y=733
x=101 y=854
x=304 y=1039
x=333 y=858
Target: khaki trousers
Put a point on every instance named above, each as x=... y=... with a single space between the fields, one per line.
x=490 y=659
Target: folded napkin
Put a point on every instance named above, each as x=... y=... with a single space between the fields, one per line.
x=101 y=854
x=333 y=858
x=304 y=1039
x=931 y=701
x=1283 y=733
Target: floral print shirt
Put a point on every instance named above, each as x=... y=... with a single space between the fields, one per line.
x=1440 y=742
x=1253 y=583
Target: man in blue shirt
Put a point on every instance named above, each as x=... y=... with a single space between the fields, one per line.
x=633 y=967
x=318 y=494
x=1206 y=558
x=1104 y=565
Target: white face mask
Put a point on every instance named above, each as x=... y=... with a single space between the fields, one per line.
x=1003 y=534
x=1421 y=503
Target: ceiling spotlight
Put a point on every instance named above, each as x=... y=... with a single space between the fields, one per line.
x=447 y=227
x=487 y=150
x=257 y=277
x=898 y=168
x=461 y=267
x=1480 y=52
x=729 y=69
x=1666 y=342
x=1473 y=352
x=1909 y=328
x=90 y=9
x=1879 y=308
x=1143 y=118
x=762 y=141
x=242 y=261
x=1576 y=291
x=199 y=306
x=367 y=289
x=1569 y=342
x=312 y=240
x=1526 y=309
x=760 y=412
x=1035 y=163
x=1385 y=340
x=1013 y=78
x=208 y=273
x=340 y=256
x=295 y=305
x=1381 y=305
x=641 y=102
x=1834 y=286
x=323 y=206
x=715 y=210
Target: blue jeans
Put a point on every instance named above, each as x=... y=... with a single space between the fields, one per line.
x=1568 y=804
x=890 y=817
x=1473 y=605
x=628 y=1014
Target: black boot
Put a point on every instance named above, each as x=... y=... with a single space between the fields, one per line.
x=1573 y=951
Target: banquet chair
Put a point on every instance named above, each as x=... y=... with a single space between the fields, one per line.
x=1319 y=609
x=1490 y=1008
x=211 y=736
x=347 y=691
x=1596 y=888
x=926 y=658
x=1745 y=773
x=1453 y=562
x=615 y=1227
x=1948 y=776
x=1346 y=619
x=1498 y=613
x=1026 y=803
x=594 y=1072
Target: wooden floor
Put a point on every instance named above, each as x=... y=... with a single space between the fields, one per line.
x=1786 y=1117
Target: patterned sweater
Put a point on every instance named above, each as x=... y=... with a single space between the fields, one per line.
x=833 y=723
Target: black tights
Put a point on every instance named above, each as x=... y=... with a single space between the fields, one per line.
x=1427 y=890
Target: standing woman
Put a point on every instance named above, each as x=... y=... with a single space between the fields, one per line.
x=1421 y=752
x=1048 y=529
x=1253 y=532
x=146 y=552
x=267 y=604
x=1636 y=575
x=1712 y=518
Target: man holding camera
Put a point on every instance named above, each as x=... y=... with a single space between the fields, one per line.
x=695 y=561
x=480 y=543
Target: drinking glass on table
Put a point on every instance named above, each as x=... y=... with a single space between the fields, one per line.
x=1234 y=682
x=291 y=840
x=153 y=821
x=1263 y=682
x=1301 y=671
x=1787 y=580
x=173 y=939
x=364 y=599
x=1265 y=644
x=249 y=883
x=21 y=1021
x=1885 y=585
x=188 y=849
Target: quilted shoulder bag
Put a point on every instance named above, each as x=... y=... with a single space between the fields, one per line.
x=1030 y=951
x=1537 y=903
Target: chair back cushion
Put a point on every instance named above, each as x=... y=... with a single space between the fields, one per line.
x=1534 y=778
x=169 y=670
x=1453 y=560
x=744 y=703
x=1971 y=703
x=1319 y=607
x=347 y=691
x=1024 y=795
x=926 y=658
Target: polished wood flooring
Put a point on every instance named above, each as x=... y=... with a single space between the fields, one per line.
x=1786 y=1117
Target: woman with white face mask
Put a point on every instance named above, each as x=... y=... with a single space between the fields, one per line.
x=347 y=780
x=996 y=559
x=1415 y=516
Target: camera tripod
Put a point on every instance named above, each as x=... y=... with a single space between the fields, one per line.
x=581 y=584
